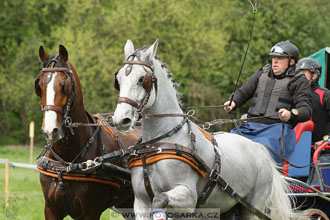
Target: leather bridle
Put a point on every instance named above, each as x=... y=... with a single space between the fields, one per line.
x=69 y=88
x=150 y=81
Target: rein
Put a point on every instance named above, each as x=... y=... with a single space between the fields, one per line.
x=132 y=149
x=165 y=135
x=48 y=146
x=254 y=10
x=207 y=125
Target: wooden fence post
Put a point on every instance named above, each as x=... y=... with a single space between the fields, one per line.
x=31 y=134
x=7 y=183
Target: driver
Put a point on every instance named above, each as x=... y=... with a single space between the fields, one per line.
x=280 y=97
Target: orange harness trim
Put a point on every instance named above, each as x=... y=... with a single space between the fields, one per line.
x=78 y=177
x=106 y=128
x=155 y=157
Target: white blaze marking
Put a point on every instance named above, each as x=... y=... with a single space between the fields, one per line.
x=50 y=116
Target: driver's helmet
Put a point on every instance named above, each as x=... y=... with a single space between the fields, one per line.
x=285 y=49
x=310 y=64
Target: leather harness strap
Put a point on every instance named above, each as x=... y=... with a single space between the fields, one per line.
x=68 y=72
x=147 y=183
x=162 y=150
x=76 y=177
x=139 y=63
x=150 y=83
x=55 y=69
x=128 y=101
x=65 y=199
x=215 y=176
x=165 y=135
x=53 y=108
x=51 y=168
x=208 y=188
x=112 y=132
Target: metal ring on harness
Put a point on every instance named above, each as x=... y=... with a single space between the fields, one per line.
x=108 y=119
x=191 y=113
x=68 y=121
x=208 y=125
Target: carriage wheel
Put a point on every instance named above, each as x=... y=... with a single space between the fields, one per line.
x=315 y=214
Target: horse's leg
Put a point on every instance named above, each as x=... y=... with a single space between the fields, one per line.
x=180 y=198
x=126 y=208
x=232 y=213
x=51 y=214
x=247 y=215
x=258 y=200
x=141 y=209
x=142 y=203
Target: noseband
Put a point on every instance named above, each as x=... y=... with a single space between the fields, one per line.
x=69 y=87
x=149 y=81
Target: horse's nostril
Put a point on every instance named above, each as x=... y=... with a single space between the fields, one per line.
x=126 y=121
x=55 y=133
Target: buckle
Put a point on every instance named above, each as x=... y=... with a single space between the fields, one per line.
x=214 y=175
x=69 y=168
x=123 y=152
x=225 y=188
x=90 y=164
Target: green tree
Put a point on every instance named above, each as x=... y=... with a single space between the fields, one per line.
x=203 y=43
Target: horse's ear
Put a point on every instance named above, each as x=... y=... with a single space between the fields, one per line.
x=151 y=52
x=42 y=54
x=128 y=49
x=63 y=53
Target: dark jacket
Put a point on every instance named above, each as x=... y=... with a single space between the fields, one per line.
x=297 y=86
x=321 y=112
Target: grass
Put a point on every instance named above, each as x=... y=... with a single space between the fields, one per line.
x=26 y=200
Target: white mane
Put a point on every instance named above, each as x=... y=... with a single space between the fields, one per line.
x=140 y=53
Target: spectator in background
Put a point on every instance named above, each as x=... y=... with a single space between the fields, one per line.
x=320 y=103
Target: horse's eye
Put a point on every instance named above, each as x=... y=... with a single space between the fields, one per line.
x=141 y=80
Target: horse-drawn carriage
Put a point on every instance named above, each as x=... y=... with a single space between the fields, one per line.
x=245 y=174
x=309 y=182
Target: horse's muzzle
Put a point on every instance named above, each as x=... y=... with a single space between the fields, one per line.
x=53 y=136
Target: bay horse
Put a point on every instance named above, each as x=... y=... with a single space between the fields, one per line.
x=81 y=196
x=181 y=166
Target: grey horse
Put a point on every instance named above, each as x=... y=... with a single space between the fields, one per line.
x=245 y=165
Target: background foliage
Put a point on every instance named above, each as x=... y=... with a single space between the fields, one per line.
x=202 y=41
